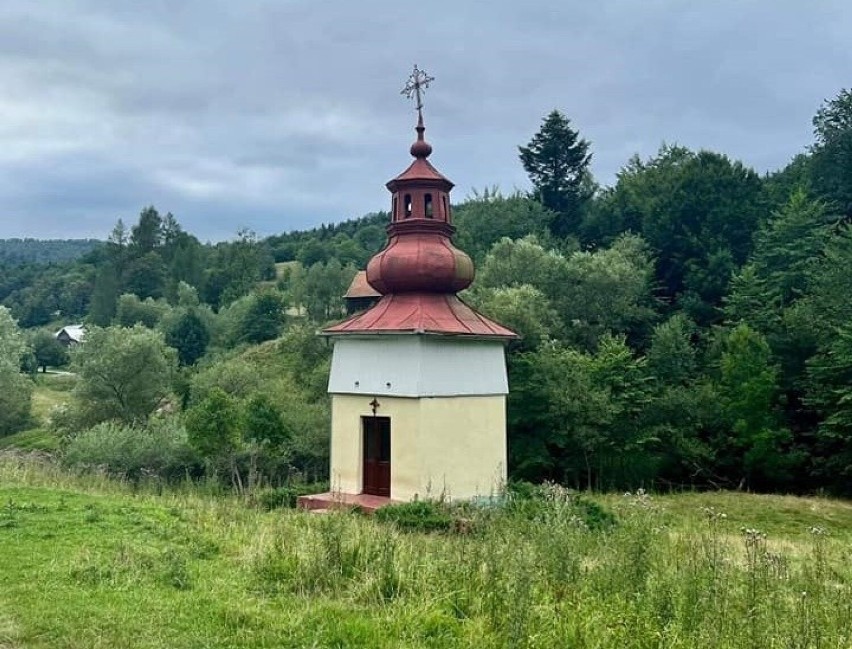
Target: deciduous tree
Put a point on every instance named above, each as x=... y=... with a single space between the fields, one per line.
x=124 y=373
x=15 y=389
x=48 y=350
x=189 y=336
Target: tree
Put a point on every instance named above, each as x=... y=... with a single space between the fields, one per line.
x=263 y=422
x=757 y=450
x=684 y=406
x=489 y=216
x=12 y=343
x=672 y=357
x=189 y=336
x=15 y=389
x=131 y=310
x=607 y=291
x=698 y=212
x=524 y=309
x=592 y=292
x=831 y=166
x=244 y=262
x=313 y=252
x=264 y=317
x=185 y=259
x=556 y=161
x=235 y=376
x=123 y=373
x=767 y=292
x=829 y=284
x=371 y=238
x=780 y=185
x=524 y=262
x=213 y=425
x=830 y=392
x=788 y=247
x=187 y=295
x=145 y=276
x=324 y=285
x=48 y=350
x=576 y=416
x=104 y=296
x=147 y=234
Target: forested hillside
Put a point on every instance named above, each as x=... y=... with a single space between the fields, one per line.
x=689 y=325
x=39 y=251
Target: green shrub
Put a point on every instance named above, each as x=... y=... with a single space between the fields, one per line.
x=15 y=398
x=594 y=515
x=550 y=500
x=159 y=449
x=288 y=495
x=417 y=516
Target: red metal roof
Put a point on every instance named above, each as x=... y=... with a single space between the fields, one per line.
x=421 y=169
x=360 y=287
x=421 y=313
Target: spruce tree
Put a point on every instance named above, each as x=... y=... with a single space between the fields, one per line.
x=556 y=161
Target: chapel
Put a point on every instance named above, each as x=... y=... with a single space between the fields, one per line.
x=418 y=381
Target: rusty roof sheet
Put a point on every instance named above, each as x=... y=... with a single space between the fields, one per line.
x=421 y=313
x=421 y=169
x=360 y=287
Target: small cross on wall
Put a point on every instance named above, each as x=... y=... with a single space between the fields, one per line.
x=374 y=404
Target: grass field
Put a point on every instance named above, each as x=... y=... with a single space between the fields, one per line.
x=50 y=390
x=87 y=562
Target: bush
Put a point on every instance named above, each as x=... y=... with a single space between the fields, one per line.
x=159 y=449
x=417 y=516
x=286 y=497
x=595 y=516
x=549 y=500
x=15 y=398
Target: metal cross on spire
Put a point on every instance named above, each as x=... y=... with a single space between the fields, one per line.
x=416 y=86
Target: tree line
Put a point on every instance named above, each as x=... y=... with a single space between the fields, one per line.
x=688 y=325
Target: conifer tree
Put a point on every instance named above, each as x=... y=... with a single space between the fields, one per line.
x=556 y=161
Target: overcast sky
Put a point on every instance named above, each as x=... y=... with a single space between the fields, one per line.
x=277 y=115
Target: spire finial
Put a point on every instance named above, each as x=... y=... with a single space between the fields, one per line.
x=414 y=88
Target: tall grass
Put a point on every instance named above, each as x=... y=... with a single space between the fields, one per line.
x=554 y=570
x=551 y=580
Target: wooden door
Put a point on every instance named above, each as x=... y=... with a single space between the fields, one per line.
x=377 y=455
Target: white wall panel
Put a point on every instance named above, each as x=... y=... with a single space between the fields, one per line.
x=417 y=366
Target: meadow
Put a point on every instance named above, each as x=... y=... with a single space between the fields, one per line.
x=88 y=561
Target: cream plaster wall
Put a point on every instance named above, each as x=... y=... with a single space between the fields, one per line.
x=451 y=446
x=462 y=446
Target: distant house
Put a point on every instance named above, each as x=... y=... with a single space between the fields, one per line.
x=71 y=335
x=360 y=295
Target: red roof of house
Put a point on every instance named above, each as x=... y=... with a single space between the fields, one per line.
x=421 y=313
x=360 y=287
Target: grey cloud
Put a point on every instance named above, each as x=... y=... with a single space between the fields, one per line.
x=275 y=115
